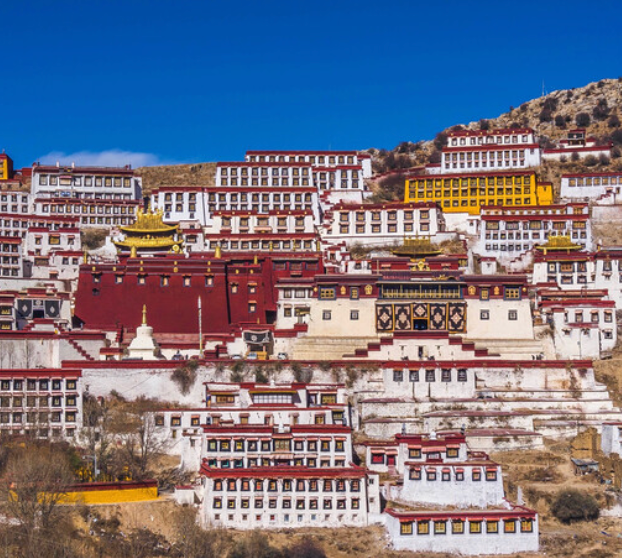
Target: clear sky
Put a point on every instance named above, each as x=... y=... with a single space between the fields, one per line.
x=147 y=81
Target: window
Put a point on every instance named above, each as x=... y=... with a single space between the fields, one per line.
x=462 y=375
x=413 y=375
x=398 y=375
x=476 y=475
x=423 y=527
x=440 y=527
x=512 y=292
x=281 y=445
x=406 y=528
x=526 y=525
x=445 y=375
x=492 y=527
x=509 y=526
x=457 y=527
x=326 y=315
x=475 y=527
x=491 y=475
x=484 y=314
x=354 y=315
x=512 y=315
x=327 y=293
x=430 y=376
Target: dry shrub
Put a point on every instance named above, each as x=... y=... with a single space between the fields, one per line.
x=570 y=506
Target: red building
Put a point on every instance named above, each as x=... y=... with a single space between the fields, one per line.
x=234 y=289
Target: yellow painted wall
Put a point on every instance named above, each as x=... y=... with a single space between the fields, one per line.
x=114 y=496
x=468 y=193
x=4 y=169
x=545 y=194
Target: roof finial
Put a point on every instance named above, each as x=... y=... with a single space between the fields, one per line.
x=144 y=314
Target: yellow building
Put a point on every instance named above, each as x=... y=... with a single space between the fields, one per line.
x=467 y=193
x=6 y=167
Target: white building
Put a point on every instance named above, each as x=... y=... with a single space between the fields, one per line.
x=507 y=233
x=583 y=322
x=195 y=204
x=590 y=186
x=479 y=150
x=43 y=240
x=601 y=270
x=85 y=182
x=446 y=498
x=45 y=403
x=91 y=211
x=281 y=411
x=11 y=257
x=281 y=497
x=15 y=201
x=577 y=145
x=318 y=159
x=505 y=530
x=381 y=224
x=188 y=203
x=276 y=221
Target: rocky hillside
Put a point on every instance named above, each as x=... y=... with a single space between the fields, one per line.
x=596 y=106
x=197 y=174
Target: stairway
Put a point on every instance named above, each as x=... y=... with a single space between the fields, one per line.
x=516 y=349
x=329 y=348
x=78 y=347
x=448 y=346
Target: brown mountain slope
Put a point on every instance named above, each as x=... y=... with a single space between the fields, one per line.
x=596 y=106
x=196 y=174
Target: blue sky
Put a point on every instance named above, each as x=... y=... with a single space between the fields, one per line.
x=147 y=81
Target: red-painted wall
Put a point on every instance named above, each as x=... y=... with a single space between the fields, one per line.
x=111 y=296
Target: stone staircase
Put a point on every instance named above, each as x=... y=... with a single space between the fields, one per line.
x=328 y=348
x=441 y=346
x=81 y=351
x=517 y=349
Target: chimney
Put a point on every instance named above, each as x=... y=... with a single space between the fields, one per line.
x=58 y=163
x=73 y=164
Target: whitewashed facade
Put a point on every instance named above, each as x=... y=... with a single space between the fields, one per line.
x=381 y=224
x=590 y=186
x=479 y=150
x=507 y=233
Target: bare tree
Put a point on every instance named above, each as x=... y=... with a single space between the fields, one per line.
x=36 y=479
x=96 y=434
x=140 y=439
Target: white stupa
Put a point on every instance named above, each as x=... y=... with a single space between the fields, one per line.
x=143 y=345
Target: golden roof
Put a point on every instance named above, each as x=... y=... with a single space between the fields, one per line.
x=150 y=232
x=416 y=247
x=149 y=222
x=559 y=243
